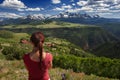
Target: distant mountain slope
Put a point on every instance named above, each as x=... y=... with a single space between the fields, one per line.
x=111 y=50
x=94 y=21
x=113 y=28
x=19 y=21
x=23 y=20
x=86 y=37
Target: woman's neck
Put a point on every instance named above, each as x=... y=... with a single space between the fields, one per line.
x=35 y=55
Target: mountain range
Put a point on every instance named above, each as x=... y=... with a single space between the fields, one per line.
x=60 y=15
x=74 y=15
x=82 y=18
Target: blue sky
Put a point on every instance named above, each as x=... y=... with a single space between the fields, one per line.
x=19 y=8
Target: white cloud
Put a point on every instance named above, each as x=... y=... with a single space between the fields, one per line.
x=33 y=9
x=92 y=6
x=20 y=9
x=58 y=9
x=112 y=1
x=103 y=5
x=100 y=6
x=71 y=0
x=110 y=15
x=73 y=4
x=114 y=11
x=87 y=8
x=18 y=5
x=66 y=6
x=62 y=8
x=103 y=10
x=115 y=7
x=15 y=4
x=9 y=15
x=74 y=10
x=56 y=1
x=82 y=3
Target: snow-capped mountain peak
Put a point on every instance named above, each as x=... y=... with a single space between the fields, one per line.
x=74 y=15
x=36 y=17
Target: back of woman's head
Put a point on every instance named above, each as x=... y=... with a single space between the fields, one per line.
x=37 y=39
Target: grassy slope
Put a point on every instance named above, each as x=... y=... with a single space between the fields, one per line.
x=62 y=46
x=15 y=70
x=16 y=38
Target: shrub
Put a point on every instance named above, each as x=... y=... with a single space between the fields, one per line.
x=0 y=46
x=15 y=51
x=6 y=34
x=99 y=66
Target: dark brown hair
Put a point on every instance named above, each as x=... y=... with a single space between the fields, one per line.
x=37 y=39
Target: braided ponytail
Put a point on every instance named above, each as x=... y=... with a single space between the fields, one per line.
x=40 y=47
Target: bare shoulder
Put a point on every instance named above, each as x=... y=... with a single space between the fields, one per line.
x=50 y=56
x=49 y=53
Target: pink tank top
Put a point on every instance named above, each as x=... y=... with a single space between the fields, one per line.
x=34 y=70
